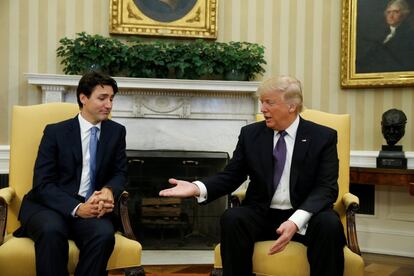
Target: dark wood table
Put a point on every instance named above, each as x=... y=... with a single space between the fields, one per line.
x=377 y=176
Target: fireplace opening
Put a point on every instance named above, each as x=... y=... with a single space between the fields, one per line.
x=173 y=223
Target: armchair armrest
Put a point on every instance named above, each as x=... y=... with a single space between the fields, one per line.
x=124 y=216
x=351 y=203
x=237 y=197
x=6 y=196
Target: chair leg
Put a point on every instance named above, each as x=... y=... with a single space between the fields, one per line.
x=217 y=272
x=134 y=271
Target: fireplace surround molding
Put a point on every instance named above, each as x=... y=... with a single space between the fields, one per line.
x=169 y=113
x=169 y=98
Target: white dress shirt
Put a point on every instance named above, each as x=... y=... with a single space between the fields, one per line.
x=281 y=197
x=85 y=133
x=390 y=35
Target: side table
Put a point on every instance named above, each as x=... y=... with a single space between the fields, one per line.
x=379 y=176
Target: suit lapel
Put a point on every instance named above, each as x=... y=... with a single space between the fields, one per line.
x=302 y=142
x=266 y=157
x=73 y=138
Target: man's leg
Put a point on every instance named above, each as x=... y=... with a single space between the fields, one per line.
x=241 y=227
x=95 y=240
x=325 y=239
x=49 y=232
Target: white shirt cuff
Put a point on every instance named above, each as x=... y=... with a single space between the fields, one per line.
x=301 y=219
x=74 y=210
x=203 y=191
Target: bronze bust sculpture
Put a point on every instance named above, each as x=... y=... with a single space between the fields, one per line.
x=393 y=129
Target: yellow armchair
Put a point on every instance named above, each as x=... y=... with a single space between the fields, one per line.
x=17 y=255
x=293 y=259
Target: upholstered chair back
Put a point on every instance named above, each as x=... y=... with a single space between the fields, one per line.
x=341 y=123
x=28 y=123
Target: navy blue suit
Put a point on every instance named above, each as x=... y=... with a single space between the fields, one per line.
x=56 y=181
x=313 y=188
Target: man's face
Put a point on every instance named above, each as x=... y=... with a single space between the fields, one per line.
x=278 y=114
x=393 y=15
x=97 y=107
x=393 y=132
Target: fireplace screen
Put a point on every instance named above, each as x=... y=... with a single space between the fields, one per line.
x=173 y=223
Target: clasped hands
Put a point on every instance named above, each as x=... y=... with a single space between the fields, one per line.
x=100 y=203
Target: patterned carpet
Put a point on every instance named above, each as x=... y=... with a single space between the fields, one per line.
x=177 y=274
x=375 y=265
x=383 y=265
x=178 y=270
x=173 y=270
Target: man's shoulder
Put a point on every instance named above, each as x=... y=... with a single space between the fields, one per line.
x=255 y=126
x=315 y=127
x=112 y=124
x=62 y=124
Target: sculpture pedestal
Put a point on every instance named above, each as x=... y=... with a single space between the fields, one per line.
x=391 y=157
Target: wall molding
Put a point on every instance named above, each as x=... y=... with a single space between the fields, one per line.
x=389 y=242
x=388 y=251
x=368 y=159
x=4 y=159
x=382 y=231
x=358 y=159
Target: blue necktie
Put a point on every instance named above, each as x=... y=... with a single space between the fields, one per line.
x=93 y=142
x=279 y=155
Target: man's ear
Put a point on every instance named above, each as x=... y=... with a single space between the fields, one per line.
x=83 y=98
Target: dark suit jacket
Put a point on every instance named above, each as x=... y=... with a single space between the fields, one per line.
x=58 y=167
x=395 y=55
x=313 y=175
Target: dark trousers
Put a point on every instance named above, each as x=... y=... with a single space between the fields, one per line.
x=50 y=232
x=242 y=226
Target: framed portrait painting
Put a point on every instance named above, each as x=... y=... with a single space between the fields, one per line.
x=377 y=43
x=179 y=18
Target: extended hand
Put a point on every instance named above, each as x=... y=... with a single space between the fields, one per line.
x=181 y=189
x=286 y=231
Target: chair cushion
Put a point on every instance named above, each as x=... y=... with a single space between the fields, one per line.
x=17 y=255
x=291 y=261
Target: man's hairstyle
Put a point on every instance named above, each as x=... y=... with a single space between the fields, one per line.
x=402 y=4
x=289 y=86
x=90 y=80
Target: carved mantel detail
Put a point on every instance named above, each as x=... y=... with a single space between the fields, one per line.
x=165 y=106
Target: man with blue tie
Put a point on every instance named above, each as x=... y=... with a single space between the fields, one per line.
x=292 y=165
x=79 y=173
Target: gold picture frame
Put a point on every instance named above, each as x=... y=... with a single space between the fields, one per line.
x=367 y=61
x=176 y=18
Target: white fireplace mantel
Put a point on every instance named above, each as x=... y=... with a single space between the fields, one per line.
x=168 y=113
x=52 y=83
